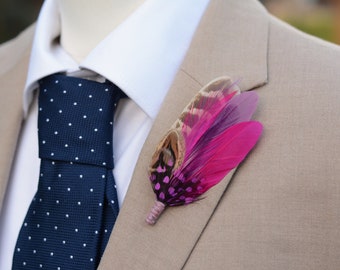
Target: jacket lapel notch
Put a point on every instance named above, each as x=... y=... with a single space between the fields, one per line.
x=231 y=40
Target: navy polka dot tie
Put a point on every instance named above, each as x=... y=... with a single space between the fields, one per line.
x=73 y=212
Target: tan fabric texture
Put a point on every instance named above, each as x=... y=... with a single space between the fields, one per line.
x=280 y=208
x=14 y=57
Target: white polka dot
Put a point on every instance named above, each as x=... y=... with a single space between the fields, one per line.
x=91 y=259
x=107 y=143
x=40 y=265
x=84 y=116
x=38 y=225
x=47 y=120
x=56 y=81
x=96 y=232
x=44 y=239
x=111 y=123
x=47 y=213
x=52 y=154
x=43 y=142
x=64 y=242
x=29 y=237
x=59 y=175
x=45 y=90
x=18 y=249
x=51 y=253
x=53 y=163
x=91 y=189
x=80 y=137
x=96 y=129
x=84 y=245
x=100 y=109
x=60 y=111
x=34 y=251
x=75 y=103
x=112 y=201
x=90 y=96
x=68 y=189
x=70 y=124
x=105 y=231
x=56 y=132
x=51 y=100
x=76 y=230
x=106 y=89
x=92 y=150
x=104 y=163
x=64 y=92
x=67 y=215
x=24 y=263
x=79 y=84
x=41 y=174
x=49 y=188
x=57 y=201
x=79 y=203
x=103 y=176
x=40 y=109
x=100 y=204
x=89 y=217
x=81 y=176
x=76 y=158
x=56 y=227
x=66 y=145
x=71 y=256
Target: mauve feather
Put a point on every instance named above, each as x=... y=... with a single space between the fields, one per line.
x=239 y=109
x=193 y=127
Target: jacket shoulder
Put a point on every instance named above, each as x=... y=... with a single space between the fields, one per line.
x=298 y=48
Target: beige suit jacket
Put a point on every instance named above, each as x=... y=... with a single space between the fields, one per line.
x=281 y=208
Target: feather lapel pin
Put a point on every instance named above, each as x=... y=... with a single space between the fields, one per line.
x=210 y=138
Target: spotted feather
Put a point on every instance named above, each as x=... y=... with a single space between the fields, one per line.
x=211 y=137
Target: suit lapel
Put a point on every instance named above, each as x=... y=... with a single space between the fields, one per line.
x=231 y=40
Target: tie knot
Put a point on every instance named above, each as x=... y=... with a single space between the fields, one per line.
x=75 y=120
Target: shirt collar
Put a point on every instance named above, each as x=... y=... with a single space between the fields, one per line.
x=141 y=56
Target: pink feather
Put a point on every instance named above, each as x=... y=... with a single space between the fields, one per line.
x=221 y=154
x=240 y=108
x=214 y=136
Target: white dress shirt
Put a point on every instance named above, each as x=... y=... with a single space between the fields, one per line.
x=141 y=56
